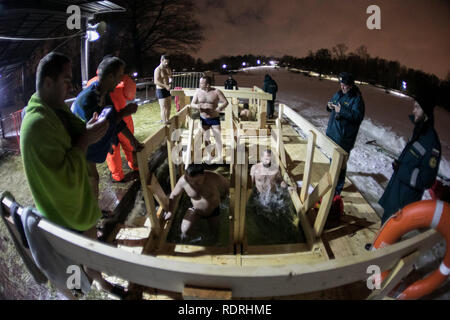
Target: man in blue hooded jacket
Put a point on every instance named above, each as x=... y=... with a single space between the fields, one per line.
x=347 y=112
x=417 y=167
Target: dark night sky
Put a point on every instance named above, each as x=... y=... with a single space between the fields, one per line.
x=413 y=32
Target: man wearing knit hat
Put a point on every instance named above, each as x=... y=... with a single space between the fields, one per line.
x=417 y=167
x=347 y=112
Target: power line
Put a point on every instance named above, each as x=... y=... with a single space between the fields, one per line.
x=40 y=39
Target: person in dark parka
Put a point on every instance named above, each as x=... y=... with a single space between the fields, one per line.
x=231 y=84
x=417 y=167
x=270 y=86
x=347 y=112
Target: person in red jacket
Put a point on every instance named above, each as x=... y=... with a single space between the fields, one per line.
x=125 y=91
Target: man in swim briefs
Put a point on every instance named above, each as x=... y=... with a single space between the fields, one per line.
x=206 y=190
x=207 y=100
x=162 y=78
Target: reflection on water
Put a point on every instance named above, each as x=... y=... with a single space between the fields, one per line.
x=271 y=219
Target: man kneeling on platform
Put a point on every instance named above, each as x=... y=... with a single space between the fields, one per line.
x=206 y=190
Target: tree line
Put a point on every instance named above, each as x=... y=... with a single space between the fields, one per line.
x=373 y=70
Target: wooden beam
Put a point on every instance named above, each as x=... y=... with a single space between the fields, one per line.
x=196 y=293
x=320 y=190
x=148 y=195
x=229 y=94
x=262 y=117
x=280 y=144
x=190 y=142
x=280 y=111
x=158 y=193
x=308 y=165
x=401 y=270
x=237 y=203
x=303 y=220
x=327 y=199
x=170 y=144
x=243 y=199
x=327 y=146
x=244 y=281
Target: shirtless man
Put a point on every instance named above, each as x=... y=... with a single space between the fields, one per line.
x=162 y=78
x=246 y=114
x=207 y=100
x=206 y=190
x=266 y=176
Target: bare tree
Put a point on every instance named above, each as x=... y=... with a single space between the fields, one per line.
x=339 y=51
x=362 y=52
x=152 y=27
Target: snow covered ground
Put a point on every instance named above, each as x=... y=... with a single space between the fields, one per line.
x=386 y=121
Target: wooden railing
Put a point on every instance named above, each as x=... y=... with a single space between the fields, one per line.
x=243 y=281
x=282 y=274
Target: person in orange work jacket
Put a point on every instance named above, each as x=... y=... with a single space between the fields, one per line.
x=125 y=91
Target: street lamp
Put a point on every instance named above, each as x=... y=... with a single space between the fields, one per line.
x=92 y=33
x=404 y=85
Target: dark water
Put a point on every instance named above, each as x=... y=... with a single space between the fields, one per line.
x=201 y=234
x=271 y=219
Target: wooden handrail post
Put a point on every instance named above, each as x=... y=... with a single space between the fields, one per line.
x=243 y=198
x=148 y=194
x=262 y=115
x=170 y=144
x=280 y=111
x=327 y=200
x=308 y=166
x=280 y=144
x=190 y=141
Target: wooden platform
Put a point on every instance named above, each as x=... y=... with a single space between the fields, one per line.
x=330 y=262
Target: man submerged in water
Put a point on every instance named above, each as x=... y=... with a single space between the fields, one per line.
x=206 y=190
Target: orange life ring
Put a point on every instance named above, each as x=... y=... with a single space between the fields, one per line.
x=423 y=214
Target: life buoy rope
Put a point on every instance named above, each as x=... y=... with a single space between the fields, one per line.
x=423 y=214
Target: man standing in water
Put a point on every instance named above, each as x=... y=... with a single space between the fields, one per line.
x=162 y=78
x=206 y=190
x=207 y=100
x=266 y=175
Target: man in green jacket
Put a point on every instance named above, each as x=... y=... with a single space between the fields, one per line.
x=53 y=145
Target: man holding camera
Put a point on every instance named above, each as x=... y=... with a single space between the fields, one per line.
x=347 y=113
